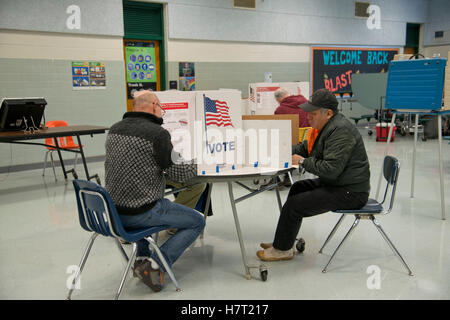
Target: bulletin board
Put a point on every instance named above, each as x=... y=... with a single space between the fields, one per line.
x=332 y=67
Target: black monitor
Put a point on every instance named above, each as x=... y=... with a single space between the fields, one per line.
x=21 y=113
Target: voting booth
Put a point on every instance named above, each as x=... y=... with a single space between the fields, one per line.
x=207 y=127
x=416 y=87
x=261 y=97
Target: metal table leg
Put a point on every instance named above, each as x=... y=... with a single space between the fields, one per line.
x=239 y=233
x=280 y=206
x=441 y=169
x=414 y=156
x=88 y=177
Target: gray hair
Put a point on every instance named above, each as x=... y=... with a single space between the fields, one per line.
x=324 y=110
x=280 y=93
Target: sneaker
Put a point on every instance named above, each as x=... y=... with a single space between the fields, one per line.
x=266 y=245
x=272 y=254
x=153 y=278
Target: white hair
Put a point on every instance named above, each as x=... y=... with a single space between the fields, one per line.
x=280 y=93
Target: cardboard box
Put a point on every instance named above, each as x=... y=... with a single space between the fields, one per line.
x=292 y=117
x=402 y=56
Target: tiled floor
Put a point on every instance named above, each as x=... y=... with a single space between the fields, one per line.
x=41 y=241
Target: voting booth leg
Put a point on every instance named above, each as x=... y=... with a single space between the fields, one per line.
x=262 y=268
x=414 y=155
x=238 y=230
x=391 y=129
x=441 y=169
x=280 y=206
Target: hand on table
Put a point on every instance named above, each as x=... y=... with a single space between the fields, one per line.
x=296 y=159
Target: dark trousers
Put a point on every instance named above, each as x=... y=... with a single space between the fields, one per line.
x=308 y=198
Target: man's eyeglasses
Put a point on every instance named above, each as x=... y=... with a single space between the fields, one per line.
x=162 y=110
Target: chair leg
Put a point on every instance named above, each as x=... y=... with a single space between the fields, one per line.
x=164 y=262
x=355 y=223
x=119 y=245
x=53 y=164
x=291 y=179
x=391 y=245
x=82 y=263
x=125 y=273
x=45 y=162
x=332 y=232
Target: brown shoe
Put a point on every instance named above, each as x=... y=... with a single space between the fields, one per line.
x=272 y=254
x=153 y=278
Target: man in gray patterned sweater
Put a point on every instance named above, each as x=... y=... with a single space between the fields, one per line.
x=139 y=155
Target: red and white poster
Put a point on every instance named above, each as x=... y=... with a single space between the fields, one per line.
x=179 y=119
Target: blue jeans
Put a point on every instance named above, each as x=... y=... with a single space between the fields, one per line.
x=189 y=223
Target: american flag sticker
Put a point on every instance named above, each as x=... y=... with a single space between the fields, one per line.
x=217 y=113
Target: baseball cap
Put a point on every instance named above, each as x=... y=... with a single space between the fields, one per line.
x=321 y=98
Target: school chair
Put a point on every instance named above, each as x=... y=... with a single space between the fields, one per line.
x=63 y=142
x=391 y=169
x=97 y=214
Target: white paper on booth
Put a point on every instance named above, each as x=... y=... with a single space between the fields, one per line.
x=179 y=119
x=262 y=95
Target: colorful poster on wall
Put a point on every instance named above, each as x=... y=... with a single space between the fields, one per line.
x=186 y=72
x=88 y=75
x=140 y=60
x=332 y=66
x=97 y=74
x=187 y=83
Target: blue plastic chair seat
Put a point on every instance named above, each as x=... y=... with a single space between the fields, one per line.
x=372 y=207
x=138 y=234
